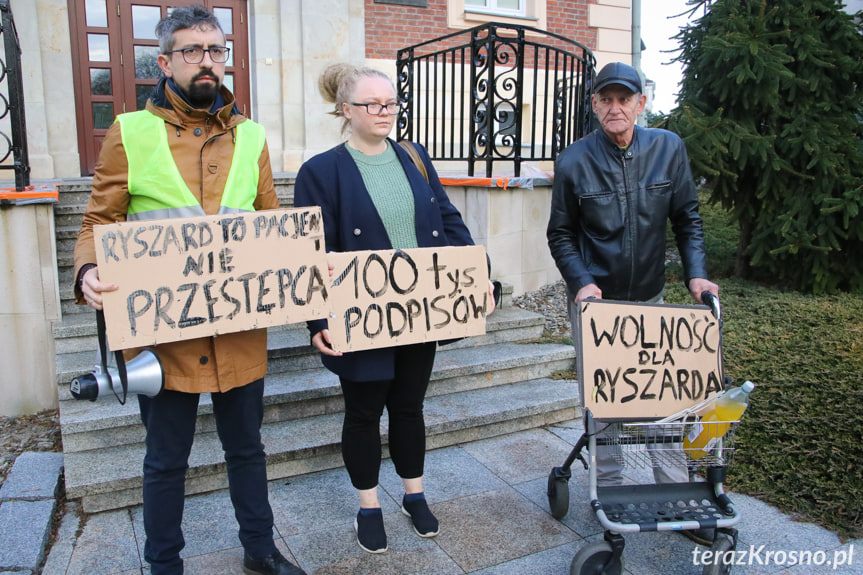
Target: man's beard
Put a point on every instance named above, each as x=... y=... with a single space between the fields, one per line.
x=202 y=95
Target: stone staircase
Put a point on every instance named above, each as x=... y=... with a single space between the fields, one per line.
x=480 y=387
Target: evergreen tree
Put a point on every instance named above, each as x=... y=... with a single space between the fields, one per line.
x=770 y=109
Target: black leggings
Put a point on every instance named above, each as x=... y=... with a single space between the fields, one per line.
x=403 y=397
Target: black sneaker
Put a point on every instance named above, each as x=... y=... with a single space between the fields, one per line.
x=274 y=564
x=424 y=521
x=371 y=535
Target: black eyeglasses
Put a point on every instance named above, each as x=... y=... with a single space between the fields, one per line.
x=375 y=109
x=195 y=54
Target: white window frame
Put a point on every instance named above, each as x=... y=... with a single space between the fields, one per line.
x=460 y=16
x=491 y=7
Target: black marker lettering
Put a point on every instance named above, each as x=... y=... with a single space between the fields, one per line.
x=153 y=252
x=193 y=265
x=628 y=381
x=380 y=327
x=187 y=230
x=294 y=297
x=644 y=395
x=373 y=257
x=162 y=307
x=466 y=274
x=109 y=240
x=139 y=241
x=135 y=313
x=599 y=383
x=211 y=301
x=262 y=291
x=353 y=315
x=393 y=331
x=172 y=239
x=401 y=255
x=230 y=299
x=634 y=341
x=244 y=279
x=597 y=338
x=439 y=310
x=461 y=300
x=667 y=382
x=185 y=320
x=285 y=281
x=414 y=310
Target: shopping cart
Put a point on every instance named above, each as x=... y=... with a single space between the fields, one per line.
x=638 y=445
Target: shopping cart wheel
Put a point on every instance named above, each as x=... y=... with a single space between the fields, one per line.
x=592 y=558
x=721 y=545
x=558 y=494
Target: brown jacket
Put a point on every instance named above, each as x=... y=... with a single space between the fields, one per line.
x=202 y=146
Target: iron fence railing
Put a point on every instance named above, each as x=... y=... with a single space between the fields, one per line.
x=495 y=93
x=12 y=102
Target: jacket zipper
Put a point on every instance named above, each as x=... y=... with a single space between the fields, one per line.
x=630 y=223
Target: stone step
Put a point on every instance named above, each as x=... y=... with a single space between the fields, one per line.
x=289 y=349
x=96 y=425
x=66 y=236
x=65 y=259
x=74 y=194
x=69 y=308
x=110 y=478
x=69 y=215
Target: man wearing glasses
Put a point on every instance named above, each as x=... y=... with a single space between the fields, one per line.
x=191 y=153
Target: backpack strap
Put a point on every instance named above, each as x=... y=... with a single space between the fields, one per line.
x=411 y=149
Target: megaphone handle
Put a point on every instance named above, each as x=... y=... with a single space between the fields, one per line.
x=118 y=355
x=124 y=380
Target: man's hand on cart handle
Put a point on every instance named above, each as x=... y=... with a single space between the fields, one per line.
x=710 y=300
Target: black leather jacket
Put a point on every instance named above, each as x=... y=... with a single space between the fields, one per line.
x=609 y=210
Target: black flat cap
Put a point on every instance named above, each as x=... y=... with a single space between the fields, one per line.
x=618 y=73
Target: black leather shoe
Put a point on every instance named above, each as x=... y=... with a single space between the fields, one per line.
x=274 y=564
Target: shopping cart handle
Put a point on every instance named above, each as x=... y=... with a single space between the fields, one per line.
x=712 y=302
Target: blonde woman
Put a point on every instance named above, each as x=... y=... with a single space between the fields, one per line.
x=374 y=198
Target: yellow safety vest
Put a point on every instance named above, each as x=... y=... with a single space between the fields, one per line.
x=156 y=187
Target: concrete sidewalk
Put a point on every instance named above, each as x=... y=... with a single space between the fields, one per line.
x=490 y=498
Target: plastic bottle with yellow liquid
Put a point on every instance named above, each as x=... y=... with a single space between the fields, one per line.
x=704 y=434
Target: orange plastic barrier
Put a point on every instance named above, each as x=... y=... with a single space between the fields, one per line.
x=36 y=192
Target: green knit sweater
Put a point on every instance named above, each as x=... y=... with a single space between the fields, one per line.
x=391 y=194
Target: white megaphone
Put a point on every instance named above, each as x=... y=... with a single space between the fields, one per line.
x=144 y=376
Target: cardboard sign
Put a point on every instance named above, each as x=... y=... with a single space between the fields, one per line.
x=644 y=361
x=397 y=297
x=185 y=278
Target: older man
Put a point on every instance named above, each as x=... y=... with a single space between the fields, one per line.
x=614 y=190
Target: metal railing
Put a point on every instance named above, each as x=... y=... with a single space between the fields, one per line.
x=495 y=93
x=12 y=103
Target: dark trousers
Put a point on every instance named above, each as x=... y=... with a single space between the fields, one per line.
x=170 y=422
x=403 y=397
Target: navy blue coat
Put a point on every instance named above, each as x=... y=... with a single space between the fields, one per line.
x=332 y=181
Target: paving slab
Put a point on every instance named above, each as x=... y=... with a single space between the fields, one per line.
x=480 y=531
x=107 y=544
x=335 y=552
x=450 y=473
x=556 y=560
x=520 y=457
x=34 y=476
x=24 y=532
x=317 y=502
x=65 y=541
x=208 y=524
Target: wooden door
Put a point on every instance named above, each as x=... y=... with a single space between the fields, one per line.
x=114 y=50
